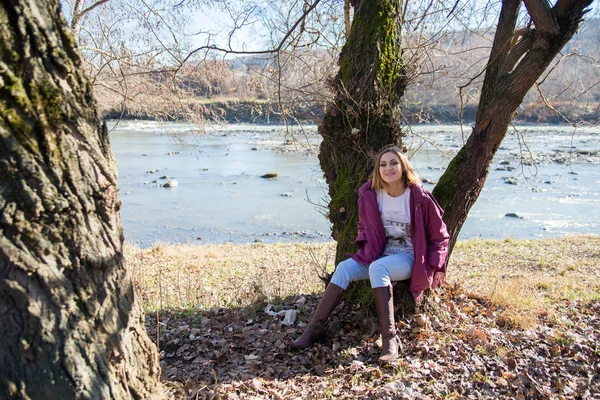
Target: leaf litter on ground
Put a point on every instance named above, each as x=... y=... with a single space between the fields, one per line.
x=472 y=347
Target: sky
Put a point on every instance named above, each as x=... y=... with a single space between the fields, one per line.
x=247 y=38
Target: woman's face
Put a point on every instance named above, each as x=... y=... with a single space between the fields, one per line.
x=390 y=168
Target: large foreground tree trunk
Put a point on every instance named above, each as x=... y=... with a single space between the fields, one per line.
x=365 y=116
x=70 y=326
x=513 y=68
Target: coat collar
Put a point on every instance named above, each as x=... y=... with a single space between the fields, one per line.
x=417 y=191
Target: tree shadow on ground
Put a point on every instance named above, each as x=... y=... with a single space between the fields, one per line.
x=204 y=349
x=465 y=350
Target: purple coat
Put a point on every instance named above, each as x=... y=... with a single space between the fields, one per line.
x=427 y=230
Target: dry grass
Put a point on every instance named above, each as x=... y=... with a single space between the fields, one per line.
x=524 y=277
x=207 y=276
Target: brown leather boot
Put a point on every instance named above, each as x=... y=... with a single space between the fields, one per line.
x=387 y=326
x=315 y=331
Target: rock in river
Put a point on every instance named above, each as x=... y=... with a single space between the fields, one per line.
x=171 y=184
x=513 y=215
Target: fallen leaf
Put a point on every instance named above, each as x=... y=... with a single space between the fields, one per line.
x=509 y=375
x=501 y=382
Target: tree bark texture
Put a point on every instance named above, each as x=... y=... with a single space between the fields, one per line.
x=512 y=69
x=365 y=115
x=70 y=327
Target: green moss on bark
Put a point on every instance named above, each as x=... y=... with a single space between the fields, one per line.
x=446 y=187
x=7 y=54
x=375 y=36
x=389 y=56
x=50 y=98
x=345 y=198
x=13 y=121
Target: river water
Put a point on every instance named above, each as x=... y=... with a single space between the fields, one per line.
x=548 y=176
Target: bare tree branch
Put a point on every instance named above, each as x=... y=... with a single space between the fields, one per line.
x=547 y=103
x=347 y=23
x=275 y=50
x=542 y=16
x=90 y=8
x=502 y=40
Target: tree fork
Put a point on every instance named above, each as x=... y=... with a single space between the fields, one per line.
x=72 y=328
x=512 y=70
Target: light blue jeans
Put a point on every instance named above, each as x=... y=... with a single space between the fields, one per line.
x=381 y=272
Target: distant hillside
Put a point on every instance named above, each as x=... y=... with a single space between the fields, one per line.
x=245 y=89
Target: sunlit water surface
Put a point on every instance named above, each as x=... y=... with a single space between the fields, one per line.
x=221 y=196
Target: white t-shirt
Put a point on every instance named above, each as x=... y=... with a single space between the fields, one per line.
x=395 y=215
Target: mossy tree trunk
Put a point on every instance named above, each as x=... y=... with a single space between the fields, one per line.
x=513 y=68
x=365 y=115
x=71 y=328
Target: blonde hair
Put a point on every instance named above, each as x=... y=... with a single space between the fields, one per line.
x=409 y=176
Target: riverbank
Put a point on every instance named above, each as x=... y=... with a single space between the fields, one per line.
x=518 y=318
x=268 y=113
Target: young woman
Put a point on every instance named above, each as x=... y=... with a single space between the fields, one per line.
x=401 y=236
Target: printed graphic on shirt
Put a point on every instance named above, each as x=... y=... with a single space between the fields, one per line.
x=395 y=215
x=397 y=232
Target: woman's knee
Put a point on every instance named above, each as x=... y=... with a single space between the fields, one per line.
x=377 y=270
x=342 y=275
